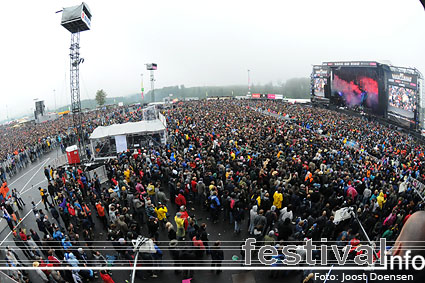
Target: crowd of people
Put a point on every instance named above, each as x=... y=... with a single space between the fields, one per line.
x=273 y=171
x=25 y=143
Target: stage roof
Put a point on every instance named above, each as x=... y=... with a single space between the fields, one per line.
x=131 y=128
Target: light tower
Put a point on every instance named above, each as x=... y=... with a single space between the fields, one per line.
x=76 y=19
x=152 y=67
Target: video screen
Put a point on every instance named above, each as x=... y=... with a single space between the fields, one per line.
x=356 y=87
x=319 y=86
x=402 y=100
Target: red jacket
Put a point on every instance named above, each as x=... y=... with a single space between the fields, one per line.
x=193 y=185
x=71 y=210
x=106 y=278
x=53 y=260
x=180 y=200
x=100 y=210
x=23 y=236
x=185 y=216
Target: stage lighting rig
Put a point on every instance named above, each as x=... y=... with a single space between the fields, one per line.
x=76 y=19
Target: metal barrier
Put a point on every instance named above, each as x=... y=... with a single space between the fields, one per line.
x=19 y=165
x=163 y=120
x=63 y=160
x=4 y=278
x=59 y=161
x=418 y=187
x=101 y=173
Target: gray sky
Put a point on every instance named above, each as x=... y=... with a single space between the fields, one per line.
x=196 y=43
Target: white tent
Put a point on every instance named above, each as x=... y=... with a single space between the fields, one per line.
x=142 y=127
x=127 y=136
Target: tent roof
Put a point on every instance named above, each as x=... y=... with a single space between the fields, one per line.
x=128 y=129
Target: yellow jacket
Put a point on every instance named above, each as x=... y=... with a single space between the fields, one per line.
x=381 y=199
x=161 y=212
x=127 y=175
x=259 y=201
x=277 y=200
x=151 y=190
x=179 y=222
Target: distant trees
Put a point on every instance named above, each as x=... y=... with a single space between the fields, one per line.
x=100 y=97
x=297 y=88
x=269 y=88
x=292 y=88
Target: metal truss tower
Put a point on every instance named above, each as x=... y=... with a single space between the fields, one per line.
x=75 y=61
x=76 y=19
x=152 y=67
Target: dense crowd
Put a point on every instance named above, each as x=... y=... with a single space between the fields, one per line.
x=273 y=171
x=24 y=143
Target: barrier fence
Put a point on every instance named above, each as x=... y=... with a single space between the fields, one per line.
x=59 y=161
x=4 y=278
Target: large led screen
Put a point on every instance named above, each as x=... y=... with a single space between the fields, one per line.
x=356 y=87
x=319 y=86
x=320 y=80
x=402 y=100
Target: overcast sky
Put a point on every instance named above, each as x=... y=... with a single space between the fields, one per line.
x=196 y=43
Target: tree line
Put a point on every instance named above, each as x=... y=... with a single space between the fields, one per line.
x=298 y=88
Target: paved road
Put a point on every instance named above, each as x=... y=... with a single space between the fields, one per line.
x=28 y=181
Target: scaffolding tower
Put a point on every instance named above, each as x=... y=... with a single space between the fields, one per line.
x=76 y=19
x=75 y=61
